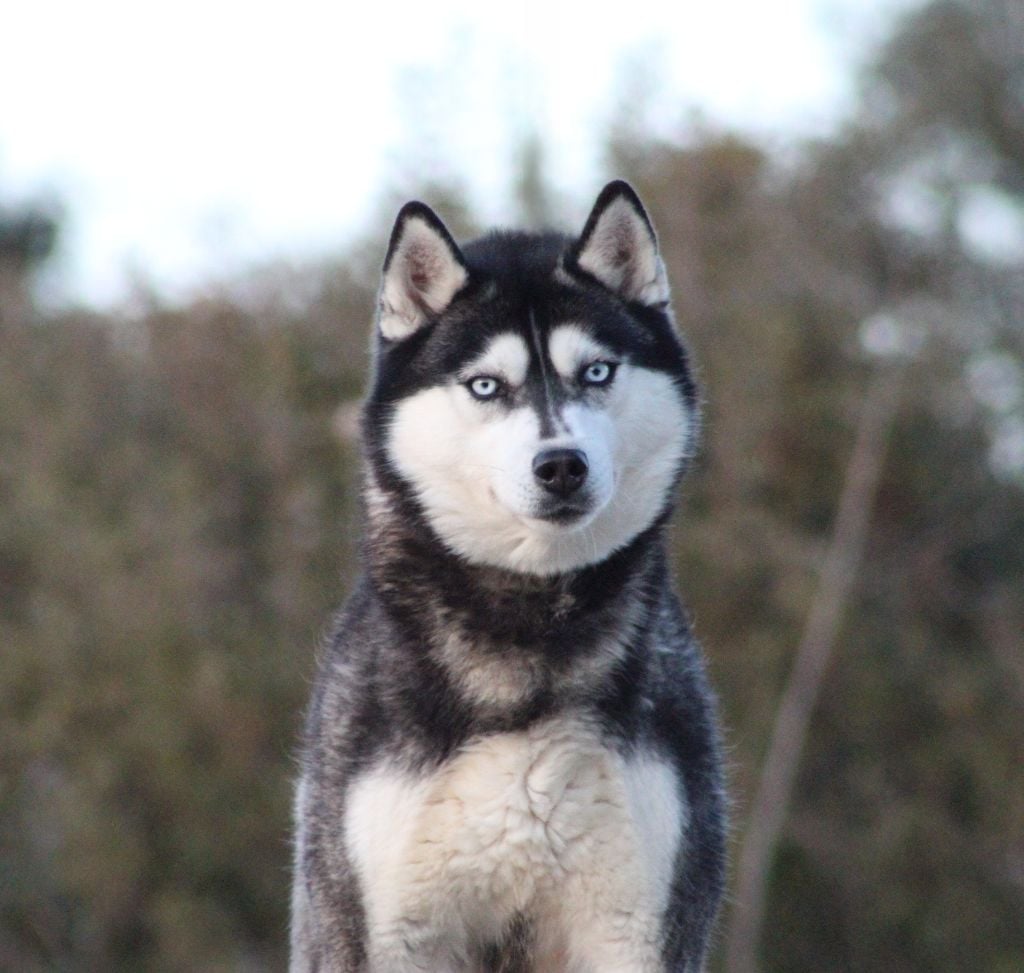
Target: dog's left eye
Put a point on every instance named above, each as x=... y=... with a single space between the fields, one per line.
x=598 y=373
x=484 y=387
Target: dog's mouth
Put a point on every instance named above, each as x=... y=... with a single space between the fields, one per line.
x=563 y=513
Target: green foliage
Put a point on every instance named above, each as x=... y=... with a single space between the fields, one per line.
x=177 y=511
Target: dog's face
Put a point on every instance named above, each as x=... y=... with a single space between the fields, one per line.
x=531 y=392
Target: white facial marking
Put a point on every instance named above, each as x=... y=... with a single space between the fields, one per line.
x=570 y=347
x=506 y=357
x=546 y=821
x=471 y=462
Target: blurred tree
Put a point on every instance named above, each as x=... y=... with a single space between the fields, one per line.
x=784 y=279
x=872 y=247
x=174 y=511
x=176 y=507
x=954 y=69
x=534 y=195
x=27 y=238
x=786 y=276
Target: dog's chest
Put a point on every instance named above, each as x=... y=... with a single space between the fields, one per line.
x=516 y=823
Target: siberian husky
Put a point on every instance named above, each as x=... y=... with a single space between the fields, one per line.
x=511 y=759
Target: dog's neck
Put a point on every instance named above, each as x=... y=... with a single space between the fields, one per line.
x=435 y=594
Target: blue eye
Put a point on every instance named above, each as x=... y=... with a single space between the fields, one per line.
x=598 y=373
x=484 y=387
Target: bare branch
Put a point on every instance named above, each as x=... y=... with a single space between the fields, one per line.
x=775 y=789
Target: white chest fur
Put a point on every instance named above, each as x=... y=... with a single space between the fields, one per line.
x=547 y=823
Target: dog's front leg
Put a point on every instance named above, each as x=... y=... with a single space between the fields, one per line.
x=324 y=940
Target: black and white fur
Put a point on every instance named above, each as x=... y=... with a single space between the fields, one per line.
x=511 y=760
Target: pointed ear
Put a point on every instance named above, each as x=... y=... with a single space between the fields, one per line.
x=619 y=248
x=423 y=271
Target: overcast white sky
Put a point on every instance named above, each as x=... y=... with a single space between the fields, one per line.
x=188 y=139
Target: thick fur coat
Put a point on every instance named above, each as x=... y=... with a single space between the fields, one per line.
x=511 y=759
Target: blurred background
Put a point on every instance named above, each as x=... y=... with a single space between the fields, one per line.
x=193 y=208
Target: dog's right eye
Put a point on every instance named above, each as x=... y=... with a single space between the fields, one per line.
x=484 y=387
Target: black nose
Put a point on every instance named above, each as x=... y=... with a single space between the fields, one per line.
x=560 y=471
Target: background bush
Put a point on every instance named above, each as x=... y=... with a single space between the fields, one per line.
x=178 y=517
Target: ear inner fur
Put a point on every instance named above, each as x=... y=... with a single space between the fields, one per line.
x=618 y=247
x=423 y=271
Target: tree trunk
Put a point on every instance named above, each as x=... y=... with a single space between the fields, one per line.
x=778 y=775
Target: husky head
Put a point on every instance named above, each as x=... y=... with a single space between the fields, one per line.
x=531 y=401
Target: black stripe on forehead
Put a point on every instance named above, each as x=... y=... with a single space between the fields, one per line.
x=544 y=391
